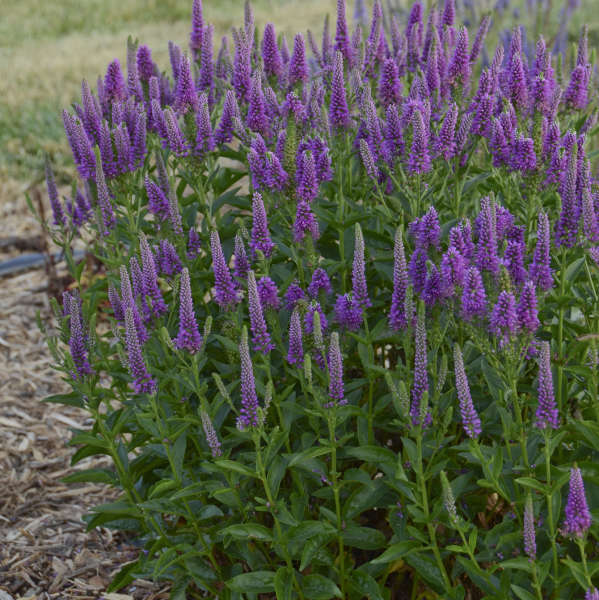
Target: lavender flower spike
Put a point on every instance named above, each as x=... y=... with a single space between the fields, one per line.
x=336 y=390
x=77 y=341
x=592 y=594
x=197 y=28
x=260 y=336
x=298 y=70
x=271 y=57
x=260 y=236
x=249 y=399
x=211 y=437
x=189 y=337
x=338 y=110
x=359 y=286
x=547 y=415
x=540 y=269
x=578 y=517
x=295 y=355
x=224 y=288
x=108 y=216
x=470 y=418
x=143 y=382
x=150 y=278
x=397 y=313
x=530 y=544
x=57 y=211
x=420 y=386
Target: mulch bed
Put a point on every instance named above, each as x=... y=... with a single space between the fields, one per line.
x=45 y=550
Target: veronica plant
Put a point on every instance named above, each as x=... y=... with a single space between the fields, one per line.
x=344 y=339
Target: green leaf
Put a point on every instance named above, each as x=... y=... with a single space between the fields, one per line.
x=309 y=453
x=365 y=585
x=317 y=587
x=374 y=454
x=284 y=583
x=520 y=564
x=248 y=530
x=162 y=487
x=124 y=577
x=311 y=547
x=428 y=570
x=92 y=475
x=522 y=593
x=364 y=538
x=578 y=572
x=256 y=582
x=231 y=465
x=72 y=399
x=529 y=482
x=395 y=552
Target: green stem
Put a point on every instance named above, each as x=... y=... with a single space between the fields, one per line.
x=272 y=504
x=560 y=332
x=518 y=411
x=335 y=481
x=550 y=507
x=583 y=556
x=431 y=530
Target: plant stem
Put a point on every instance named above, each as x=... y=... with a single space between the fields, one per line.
x=332 y=418
x=550 y=507
x=429 y=525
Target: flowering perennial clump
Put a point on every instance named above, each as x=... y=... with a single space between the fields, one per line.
x=346 y=315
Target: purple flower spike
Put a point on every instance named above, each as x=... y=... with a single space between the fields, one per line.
x=481 y=34
x=348 y=312
x=197 y=28
x=145 y=66
x=186 y=97
x=487 y=258
x=256 y=118
x=566 y=229
x=419 y=160
x=260 y=239
x=269 y=294
x=271 y=57
x=577 y=95
x=116 y=303
x=189 y=337
x=547 y=415
x=242 y=66
x=224 y=131
x=474 y=297
x=176 y=142
x=540 y=269
x=470 y=418
x=104 y=202
x=57 y=211
x=503 y=321
x=77 y=343
x=193 y=244
x=128 y=302
x=157 y=201
x=133 y=83
x=397 y=313
x=359 y=286
x=224 y=287
x=314 y=308
x=242 y=265
x=92 y=114
x=260 y=336
x=418 y=270
x=420 y=386
x=459 y=70
x=307 y=183
x=528 y=315
x=338 y=111
x=578 y=517
x=342 y=41
x=448 y=13
x=211 y=437
x=204 y=138
x=592 y=594
x=150 y=278
x=298 y=70
x=426 y=231
x=249 y=399
x=445 y=141
x=389 y=83
x=206 y=77
x=320 y=281
x=305 y=223
x=114 y=83
x=293 y=294
x=336 y=390
x=168 y=259
x=143 y=382
x=295 y=355
x=530 y=544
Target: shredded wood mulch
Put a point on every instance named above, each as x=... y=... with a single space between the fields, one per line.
x=45 y=550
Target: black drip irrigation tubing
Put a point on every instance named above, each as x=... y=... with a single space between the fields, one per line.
x=31 y=260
